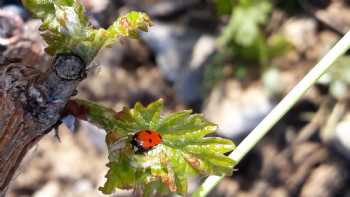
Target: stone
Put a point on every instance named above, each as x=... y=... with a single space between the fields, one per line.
x=341 y=138
x=189 y=82
x=181 y=53
x=236 y=110
x=335 y=16
x=49 y=189
x=301 y=32
x=172 y=45
x=95 y=135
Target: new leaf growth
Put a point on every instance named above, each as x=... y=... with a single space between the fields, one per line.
x=66 y=29
x=185 y=150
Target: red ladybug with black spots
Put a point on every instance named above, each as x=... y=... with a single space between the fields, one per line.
x=145 y=140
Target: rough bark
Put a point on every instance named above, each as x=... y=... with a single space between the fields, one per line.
x=30 y=106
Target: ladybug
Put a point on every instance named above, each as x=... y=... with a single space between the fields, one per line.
x=145 y=140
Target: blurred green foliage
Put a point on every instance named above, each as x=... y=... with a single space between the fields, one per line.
x=338 y=78
x=243 y=39
x=224 y=7
x=246 y=18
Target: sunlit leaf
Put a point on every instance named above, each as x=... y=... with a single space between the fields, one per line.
x=66 y=29
x=185 y=150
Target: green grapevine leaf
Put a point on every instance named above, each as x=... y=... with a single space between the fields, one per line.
x=246 y=18
x=185 y=149
x=66 y=29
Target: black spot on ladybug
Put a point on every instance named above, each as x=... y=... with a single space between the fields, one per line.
x=150 y=140
x=148 y=131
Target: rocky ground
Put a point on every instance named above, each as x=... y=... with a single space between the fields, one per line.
x=306 y=154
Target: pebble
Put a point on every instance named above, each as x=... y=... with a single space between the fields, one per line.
x=172 y=45
x=181 y=53
x=341 y=139
x=301 y=32
x=51 y=189
x=236 y=110
x=188 y=85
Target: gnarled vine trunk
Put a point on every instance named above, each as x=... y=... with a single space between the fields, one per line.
x=30 y=106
